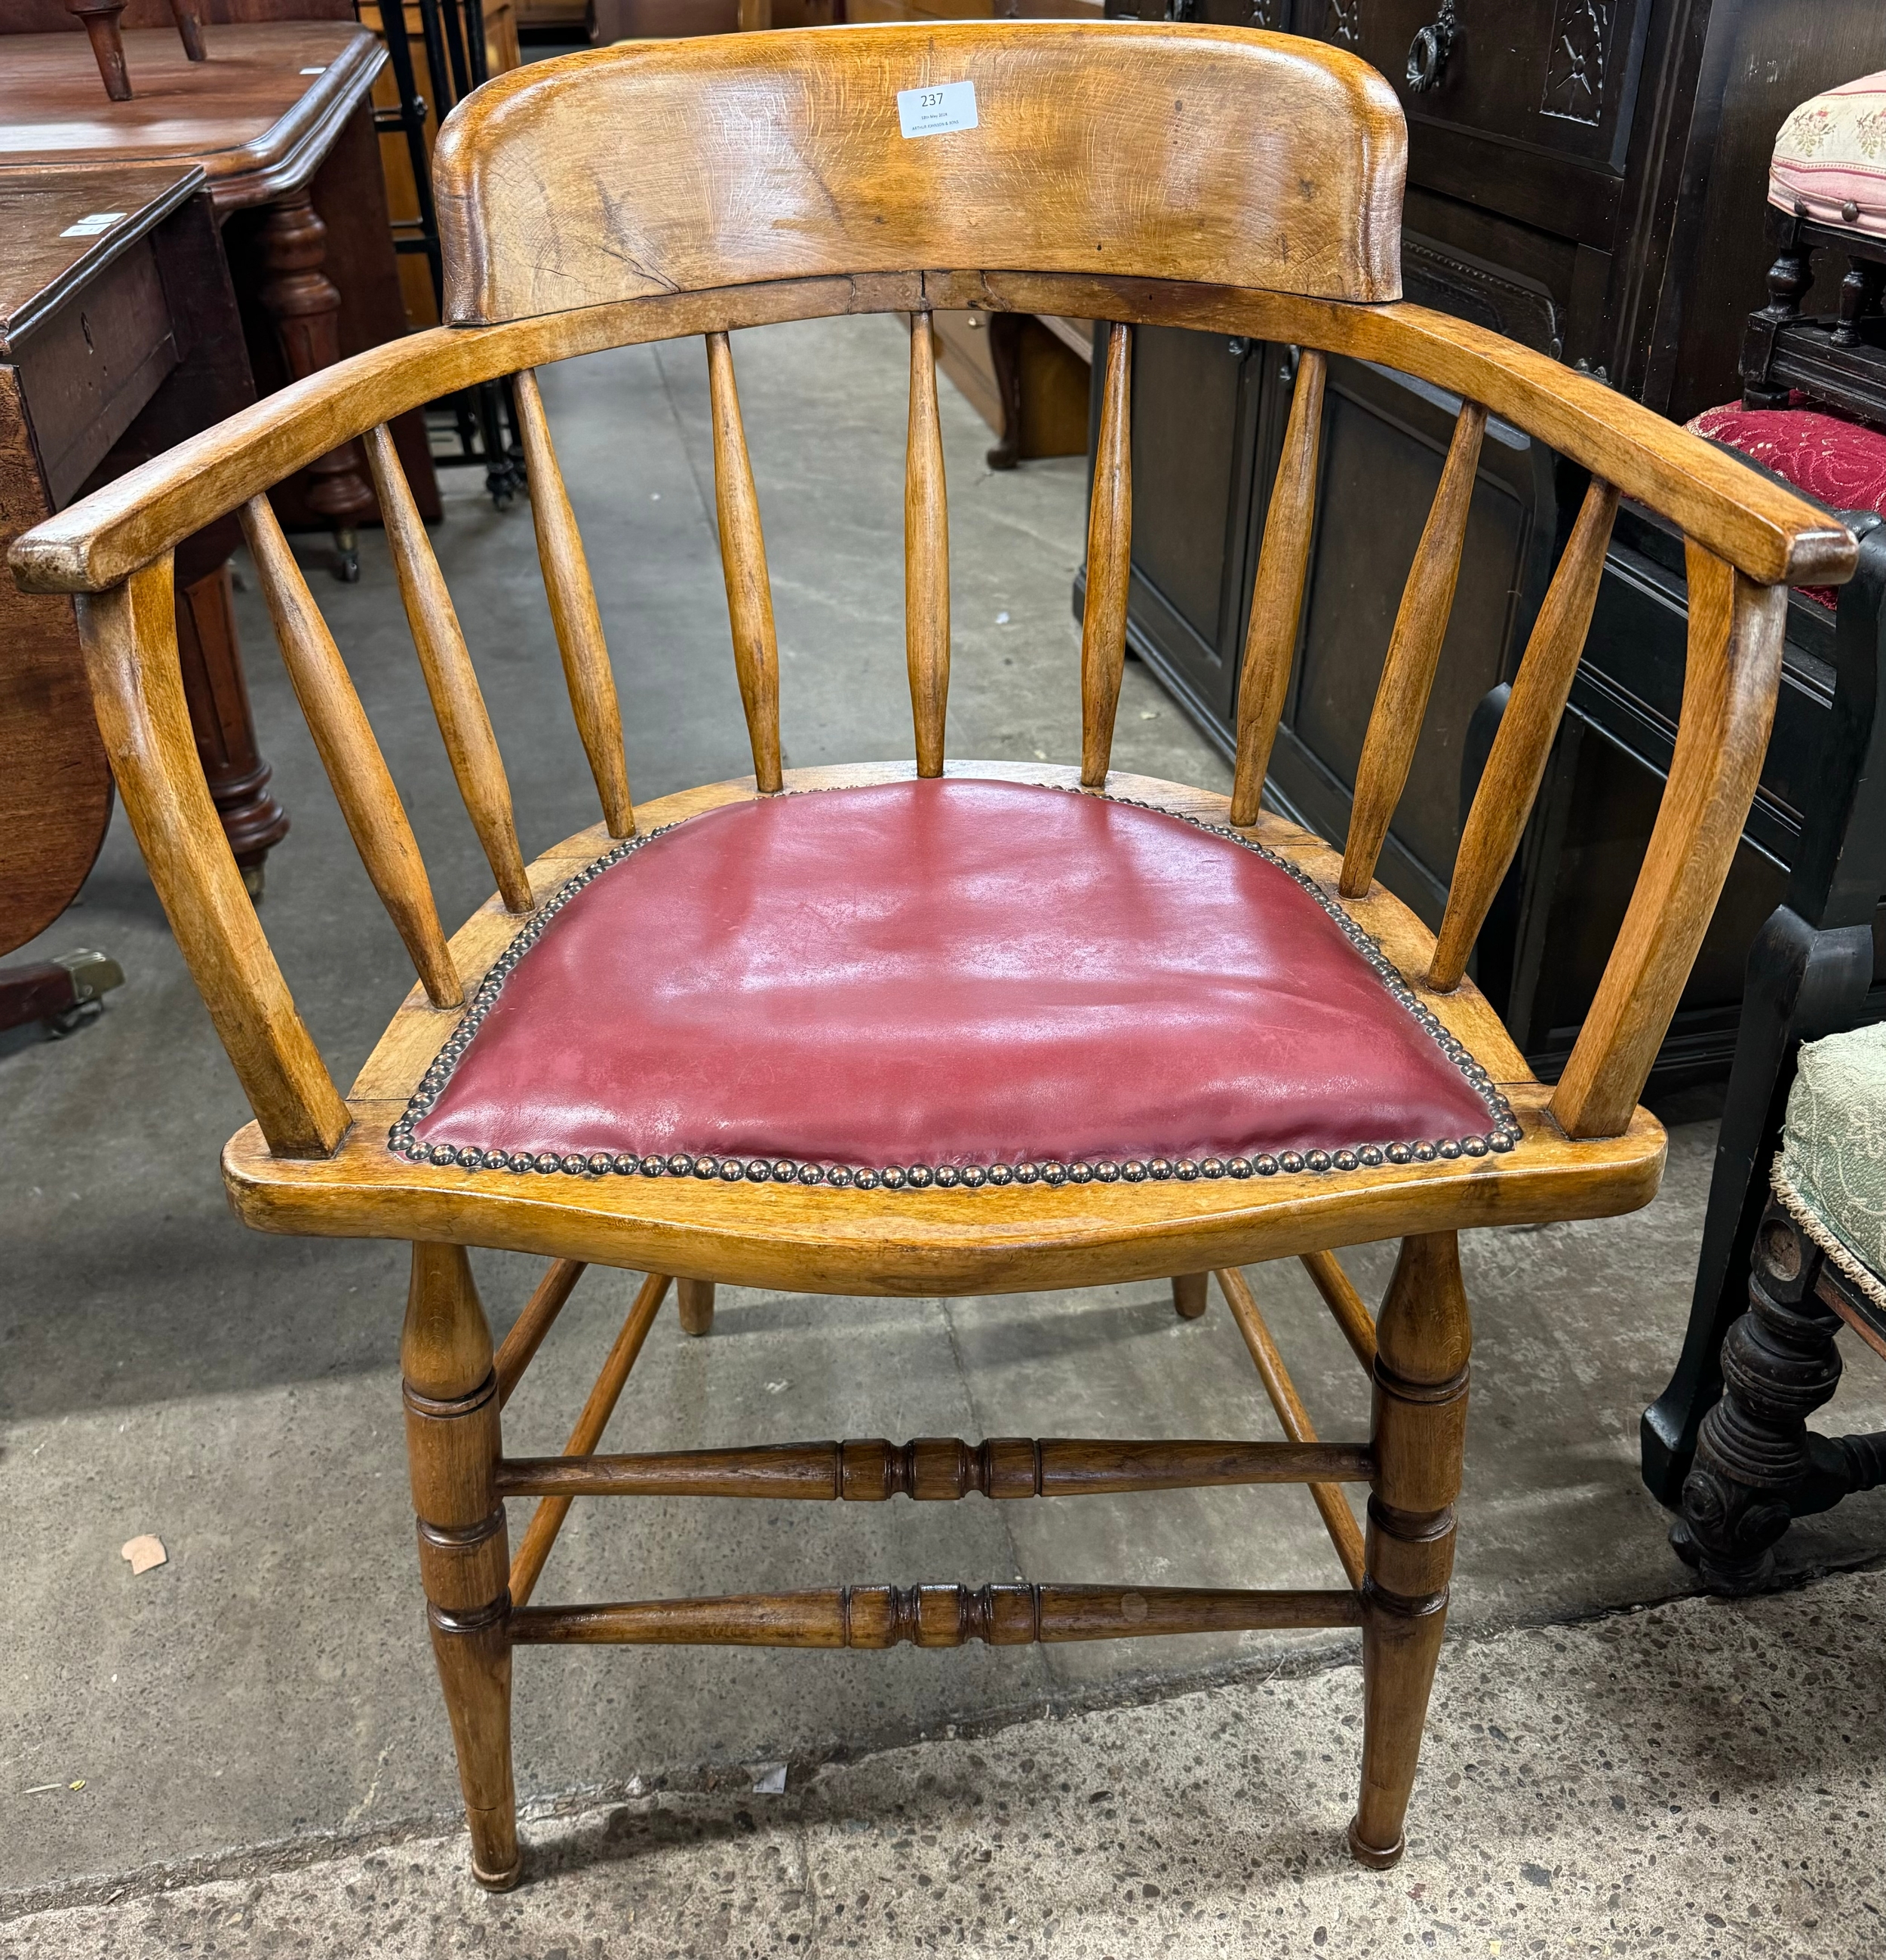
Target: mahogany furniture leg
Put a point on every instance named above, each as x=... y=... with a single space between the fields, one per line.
x=694 y=1300
x=1005 y=356
x=100 y=18
x=452 y=1449
x=189 y=27
x=217 y=696
x=304 y=303
x=1422 y=1339
x=1189 y=1298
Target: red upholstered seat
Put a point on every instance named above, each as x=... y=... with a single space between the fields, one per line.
x=1842 y=464
x=946 y=980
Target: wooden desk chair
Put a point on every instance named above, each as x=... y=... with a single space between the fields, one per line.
x=973 y=1029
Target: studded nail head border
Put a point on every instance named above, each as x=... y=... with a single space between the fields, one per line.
x=1501 y=1134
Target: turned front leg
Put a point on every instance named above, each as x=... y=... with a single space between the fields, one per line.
x=1422 y=1339
x=453 y=1447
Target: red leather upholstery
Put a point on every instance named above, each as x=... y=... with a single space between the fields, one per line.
x=960 y=973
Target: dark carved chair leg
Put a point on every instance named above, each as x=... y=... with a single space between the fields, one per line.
x=1420 y=1430
x=190 y=28
x=1005 y=356
x=1780 y=1364
x=1800 y=983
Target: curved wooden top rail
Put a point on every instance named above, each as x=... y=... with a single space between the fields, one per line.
x=1119 y=147
x=1767 y=533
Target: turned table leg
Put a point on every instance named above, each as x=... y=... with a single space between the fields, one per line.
x=304 y=304
x=217 y=696
x=1422 y=1341
x=452 y=1449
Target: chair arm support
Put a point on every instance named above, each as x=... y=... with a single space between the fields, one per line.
x=1731 y=679
x=129 y=639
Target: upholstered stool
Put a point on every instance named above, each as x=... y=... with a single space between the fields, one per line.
x=1827 y=186
x=1817 y=1265
x=1840 y=463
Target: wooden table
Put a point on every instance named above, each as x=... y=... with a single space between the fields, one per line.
x=248 y=143
x=100 y=315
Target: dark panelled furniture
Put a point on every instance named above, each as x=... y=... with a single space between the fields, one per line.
x=1581 y=178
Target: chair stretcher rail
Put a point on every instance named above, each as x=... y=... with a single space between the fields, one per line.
x=934 y=1469
x=930 y=1616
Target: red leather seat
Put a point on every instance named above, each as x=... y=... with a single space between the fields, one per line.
x=961 y=981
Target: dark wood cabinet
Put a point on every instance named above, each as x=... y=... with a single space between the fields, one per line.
x=1587 y=177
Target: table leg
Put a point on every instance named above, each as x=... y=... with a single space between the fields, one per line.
x=304 y=305
x=218 y=698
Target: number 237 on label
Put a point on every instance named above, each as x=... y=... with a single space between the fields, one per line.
x=931 y=111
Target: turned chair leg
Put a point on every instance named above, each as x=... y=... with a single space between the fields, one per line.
x=1189 y=1298
x=694 y=1299
x=1420 y=1427
x=452 y=1449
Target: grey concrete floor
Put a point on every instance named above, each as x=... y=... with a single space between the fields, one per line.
x=1694 y=1781
x=167 y=1372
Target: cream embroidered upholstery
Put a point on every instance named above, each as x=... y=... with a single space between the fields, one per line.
x=1831 y=1173
x=1829 y=159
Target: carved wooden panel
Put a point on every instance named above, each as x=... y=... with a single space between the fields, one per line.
x=1575 y=60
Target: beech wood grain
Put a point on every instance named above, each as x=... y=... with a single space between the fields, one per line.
x=760 y=157
x=344 y=739
x=1338 y=1520
x=1103 y=625
x=526 y=1335
x=547 y=1520
x=934 y=1469
x=458 y=702
x=1516 y=764
x=1276 y=598
x=1732 y=673
x=129 y=639
x=926 y=555
x=1346 y=1305
x=930 y=1616
x=1414 y=652
x=1766 y=531
x=749 y=590
x=587 y=671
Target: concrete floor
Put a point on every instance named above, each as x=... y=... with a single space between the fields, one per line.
x=1699 y=1781
x=167 y=1372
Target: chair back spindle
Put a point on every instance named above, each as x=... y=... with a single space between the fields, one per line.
x=457 y=702
x=1414 y=651
x=587 y=671
x=1276 y=598
x=1732 y=675
x=1516 y=766
x=749 y=591
x=1103 y=624
x=344 y=739
x=926 y=555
